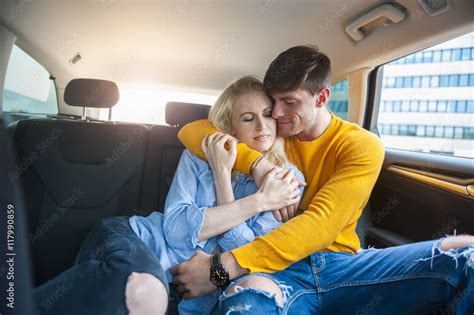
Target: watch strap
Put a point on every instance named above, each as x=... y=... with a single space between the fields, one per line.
x=215 y=260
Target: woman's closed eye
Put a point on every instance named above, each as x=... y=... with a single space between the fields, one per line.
x=247 y=118
x=267 y=113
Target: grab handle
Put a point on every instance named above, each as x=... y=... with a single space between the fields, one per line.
x=389 y=11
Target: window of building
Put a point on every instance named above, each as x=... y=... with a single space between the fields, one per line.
x=442 y=115
x=446 y=55
x=451 y=106
x=419 y=57
x=437 y=56
x=432 y=106
x=413 y=106
x=423 y=106
x=461 y=107
x=425 y=81
x=442 y=106
x=412 y=130
x=408 y=82
x=448 y=132
x=395 y=130
x=28 y=86
x=420 y=131
x=338 y=103
x=434 y=81
x=427 y=56
x=464 y=80
x=444 y=81
x=416 y=82
x=466 y=54
x=469 y=132
x=470 y=107
x=430 y=131
x=399 y=82
x=456 y=54
x=453 y=80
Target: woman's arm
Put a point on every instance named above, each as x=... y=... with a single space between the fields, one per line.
x=187 y=223
x=221 y=161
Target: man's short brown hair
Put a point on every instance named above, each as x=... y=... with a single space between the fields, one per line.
x=299 y=67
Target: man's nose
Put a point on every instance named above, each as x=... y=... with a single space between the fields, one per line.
x=277 y=111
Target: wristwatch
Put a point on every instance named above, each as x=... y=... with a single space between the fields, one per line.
x=219 y=275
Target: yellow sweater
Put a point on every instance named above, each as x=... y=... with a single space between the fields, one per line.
x=340 y=167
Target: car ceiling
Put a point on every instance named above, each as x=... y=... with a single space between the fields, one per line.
x=203 y=45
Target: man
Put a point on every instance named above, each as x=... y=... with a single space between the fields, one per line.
x=313 y=262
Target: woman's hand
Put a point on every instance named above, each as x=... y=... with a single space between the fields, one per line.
x=278 y=189
x=214 y=147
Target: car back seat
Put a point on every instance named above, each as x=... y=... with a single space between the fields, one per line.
x=163 y=153
x=75 y=173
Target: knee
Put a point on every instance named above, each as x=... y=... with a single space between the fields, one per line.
x=259 y=283
x=453 y=242
x=145 y=294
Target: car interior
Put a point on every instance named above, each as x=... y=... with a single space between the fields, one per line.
x=74 y=153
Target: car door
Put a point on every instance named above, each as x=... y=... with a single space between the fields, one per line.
x=422 y=106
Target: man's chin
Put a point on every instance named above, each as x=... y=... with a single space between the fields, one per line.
x=285 y=133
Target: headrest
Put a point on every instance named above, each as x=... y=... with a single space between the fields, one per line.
x=91 y=93
x=179 y=114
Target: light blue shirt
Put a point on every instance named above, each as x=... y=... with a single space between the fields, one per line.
x=173 y=237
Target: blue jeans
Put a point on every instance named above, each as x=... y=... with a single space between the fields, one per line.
x=96 y=283
x=418 y=278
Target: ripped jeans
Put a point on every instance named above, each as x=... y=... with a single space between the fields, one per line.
x=418 y=278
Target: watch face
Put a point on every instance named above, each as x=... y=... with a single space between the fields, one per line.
x=219 y=276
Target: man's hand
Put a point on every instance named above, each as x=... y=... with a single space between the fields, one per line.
x=192 y=277
x=261 y=168
x=286 y=213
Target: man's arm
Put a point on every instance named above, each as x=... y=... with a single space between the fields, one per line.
x=191 y=136
x=334 y=205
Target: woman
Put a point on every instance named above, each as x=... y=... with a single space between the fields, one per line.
x=208 y=208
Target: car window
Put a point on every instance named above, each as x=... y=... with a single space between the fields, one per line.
x=148 y=106
x=427 y=100
x=28 y=86
x=338 y=103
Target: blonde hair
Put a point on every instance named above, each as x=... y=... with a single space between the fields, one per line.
x=221 y=115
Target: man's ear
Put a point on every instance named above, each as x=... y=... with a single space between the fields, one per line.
x=324 y=96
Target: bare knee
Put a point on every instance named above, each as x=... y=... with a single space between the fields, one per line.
x=458 y=241
x=259 y=283
x=145 y=294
